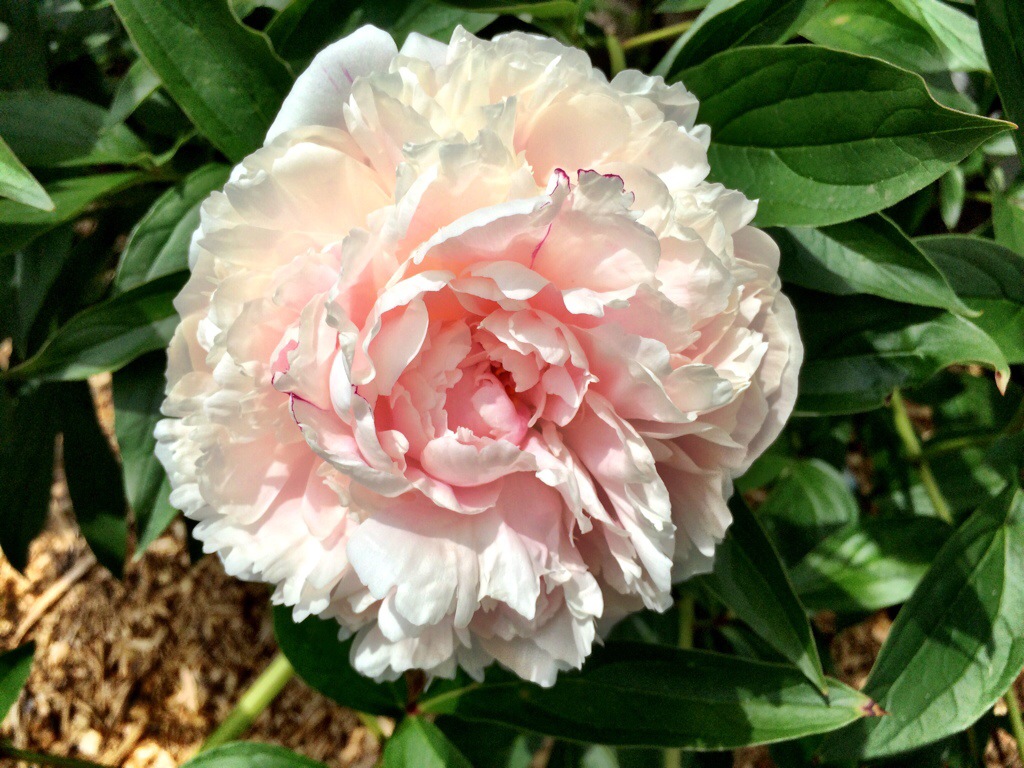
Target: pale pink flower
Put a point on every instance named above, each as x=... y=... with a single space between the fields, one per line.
x=471 y=353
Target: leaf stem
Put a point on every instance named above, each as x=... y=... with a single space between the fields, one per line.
x=655 y=35
x=1016 y=722
x=616 y=56
x=912 y=447
x=256 y=698
x=686 y=620
x=673 y=756
x=38 y=758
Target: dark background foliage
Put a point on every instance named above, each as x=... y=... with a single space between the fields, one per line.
x=895 y=488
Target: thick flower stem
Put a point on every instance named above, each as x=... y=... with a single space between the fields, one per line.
x=256 y=699
x=658 y=34
x=1016 y=722
x=674 y=757
x=912 y=447
x=38 y=758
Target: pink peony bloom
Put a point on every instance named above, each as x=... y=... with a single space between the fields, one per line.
x=471 y=353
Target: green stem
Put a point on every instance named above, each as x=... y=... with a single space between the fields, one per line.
x=686 y=620
x=912 y=447
x=256 y=699
x=954 y=444
x=674 y=757
x=1016 y=722
x=616 y=56
x=655 y=35
x=37 y=758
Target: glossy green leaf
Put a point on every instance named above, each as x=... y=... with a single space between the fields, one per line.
x=48 y=129
x=159 y=243
x=417 y=743
x=28 y=428
x=18 y=184
x=1008 y=221
x=875 y=28
x=821 y=136
x=633 y=695
x=1002 y=31
x=15 y=666
x=727 y=24
x=956 y=646
x=94 y=478
x=860 y=348
x=540 y=9
x=869 y=255
x=750 y=579
x=952 y=193
x=19 y=225
x=319 y=658
x=30 y=276
x=243 y=754
x=954 y=31
x=487 y=745
x=810 y=501
x=305 y=27
x=108 y=335
x=224 y=75
x=990 y=279
x=873 y=564
x=138 y=393
x=138 y=84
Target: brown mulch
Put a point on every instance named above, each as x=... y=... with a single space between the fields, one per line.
x=137 y=673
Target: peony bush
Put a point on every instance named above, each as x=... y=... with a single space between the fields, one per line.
x=474 y=331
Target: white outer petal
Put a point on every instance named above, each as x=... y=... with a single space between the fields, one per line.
x=319 y=94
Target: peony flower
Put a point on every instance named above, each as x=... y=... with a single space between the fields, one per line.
x=471 y=353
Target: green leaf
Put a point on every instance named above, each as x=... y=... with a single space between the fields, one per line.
x=1008 y=221
x=952 y=192
x=159 y=243
x=224 y=75
x=954 y=31
x=319 y=658
x=540 y=9
x=810 y=501
x=633 y=695
x=751 y=580
x=94 y=478
x=18 y=184
x=956 y=646
x=242 y=754
x=48 y=129
x=29 y=278
x=108 y=335
x=869 y=255
x=869 y=565
x=727 y=24
x=14 y=668
x=821 y=136
x=28 y=429
x=1002 y=31
x=487 y=745
x=305 y=27
x=20 y=225
x=875 y=28
x=419 y=744
x=138 y=393
x=990 y=278
x=860 y=348
x=138 y=84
